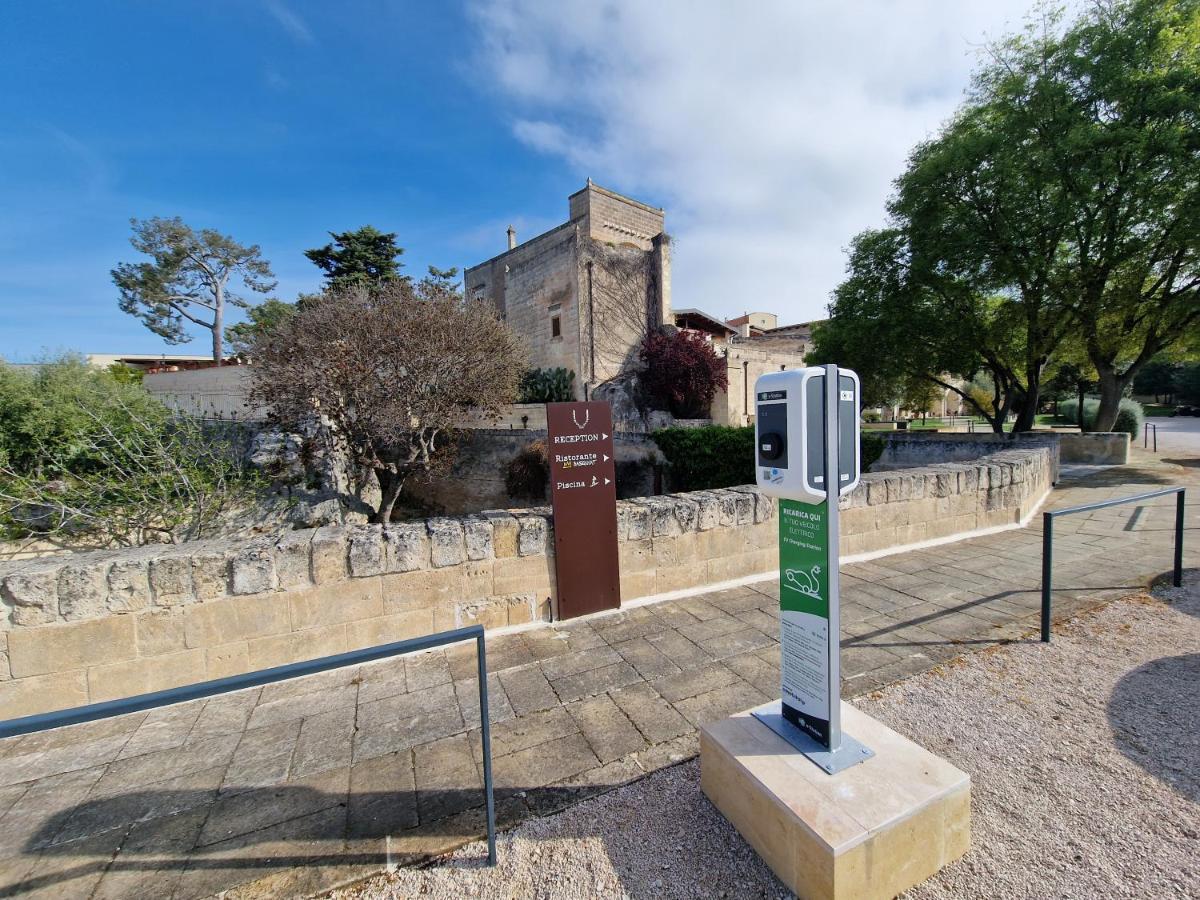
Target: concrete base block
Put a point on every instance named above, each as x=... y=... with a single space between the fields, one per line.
x=872 y=830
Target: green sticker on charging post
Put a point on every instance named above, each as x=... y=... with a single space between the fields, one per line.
x=803 y=556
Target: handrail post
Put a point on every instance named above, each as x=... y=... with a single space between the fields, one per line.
x=1179 y=502
x=486 y=737
x=1047 y=568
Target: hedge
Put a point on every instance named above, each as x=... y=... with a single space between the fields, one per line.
x=717 y=456
x=1130 y=414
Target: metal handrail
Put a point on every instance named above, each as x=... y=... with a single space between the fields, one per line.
x=110 y=708
x=1048 y=541
x=1146 y=429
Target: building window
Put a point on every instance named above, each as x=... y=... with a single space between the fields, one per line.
x=555 y=326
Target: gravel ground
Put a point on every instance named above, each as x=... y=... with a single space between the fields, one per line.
x=1085 y=766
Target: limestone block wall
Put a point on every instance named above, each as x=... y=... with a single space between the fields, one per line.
x=98 y=626
x=514 y=416
x=207 y=393
x=906 y=449
x=1098 y=448
x=744 y=364
x=615 y=218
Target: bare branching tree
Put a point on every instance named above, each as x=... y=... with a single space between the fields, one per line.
x=623 y=303
x=392 y=371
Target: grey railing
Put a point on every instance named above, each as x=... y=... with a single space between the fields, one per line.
x=1048 y=541
x=110 y=708
x=1146 y=430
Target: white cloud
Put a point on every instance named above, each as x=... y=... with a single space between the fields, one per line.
x=289 y=21
x=770 y=131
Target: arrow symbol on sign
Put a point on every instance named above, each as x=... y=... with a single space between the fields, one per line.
x=606 y=481
x=603 y=436
x=606 y=457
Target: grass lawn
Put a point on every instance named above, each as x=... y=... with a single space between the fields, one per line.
x=1157 y=409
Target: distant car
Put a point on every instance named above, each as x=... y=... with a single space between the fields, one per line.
x=1186 y=411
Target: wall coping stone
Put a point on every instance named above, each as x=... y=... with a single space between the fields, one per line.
x=99 y=584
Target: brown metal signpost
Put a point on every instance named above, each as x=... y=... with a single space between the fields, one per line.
x=584 y=493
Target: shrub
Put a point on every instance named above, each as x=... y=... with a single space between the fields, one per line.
x=870 y=448
x=870 y=416
x=715 y=456
x=1130 y=414
x=720 y=456
x=528 y=473
x=83 y=453
x=547 y=386
x=682 y=373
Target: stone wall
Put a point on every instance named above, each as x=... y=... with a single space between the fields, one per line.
x=514 y=417
x=217 y=393
x=1096 y=448
x=904 y=449
x=744 y=364
x=97 y=626
x=614 y=218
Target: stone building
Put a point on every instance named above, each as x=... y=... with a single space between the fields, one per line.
x=752 y=344
x=584 y=294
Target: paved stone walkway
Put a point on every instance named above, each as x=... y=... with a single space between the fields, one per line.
x=295 y=787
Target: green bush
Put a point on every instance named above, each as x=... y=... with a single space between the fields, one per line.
x=1130 y=414
x=717 y=456
x=870 y=448
x=547 y=386
x=714 y=456
x=85 y=453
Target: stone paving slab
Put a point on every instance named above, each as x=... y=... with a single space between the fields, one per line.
x=293 y=788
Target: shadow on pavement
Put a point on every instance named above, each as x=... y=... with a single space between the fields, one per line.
x=1153 y=713
x=366 y=831
x=1189 y=462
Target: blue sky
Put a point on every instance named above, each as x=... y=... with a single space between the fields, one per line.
x=770 y=134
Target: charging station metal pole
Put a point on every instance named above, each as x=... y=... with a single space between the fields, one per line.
x=833 y=484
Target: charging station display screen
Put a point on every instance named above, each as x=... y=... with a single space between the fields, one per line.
x=772 y=420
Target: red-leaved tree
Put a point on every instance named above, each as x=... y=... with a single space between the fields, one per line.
x=682 y=373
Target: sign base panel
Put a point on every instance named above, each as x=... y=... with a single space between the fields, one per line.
x=850 y=753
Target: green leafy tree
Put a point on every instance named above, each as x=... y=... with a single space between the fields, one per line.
x=189 y=280
x=1158 y=378
x=260 y=319
x=895 y=325
x=366 y=257
x=1189 y=383
x=1105 y=115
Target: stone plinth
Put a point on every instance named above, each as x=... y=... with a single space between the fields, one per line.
x=873 y=830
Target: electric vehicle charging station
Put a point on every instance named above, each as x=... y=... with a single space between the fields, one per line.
x=806 y=424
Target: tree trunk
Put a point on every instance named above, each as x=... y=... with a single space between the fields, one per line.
x=218 y=325
x=1112 y=386
x=389 y=491
x=1027 y=411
